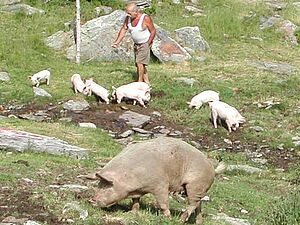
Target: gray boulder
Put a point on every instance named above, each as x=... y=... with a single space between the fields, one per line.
x=98 y=34
x=23 y=8
x=192 y=38
x=166 y=49
x=9 y=2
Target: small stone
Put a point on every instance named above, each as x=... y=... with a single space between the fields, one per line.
x=257 y=128
x=126 y=134
x=87 y=125
x=164 y=131
x=244 y=211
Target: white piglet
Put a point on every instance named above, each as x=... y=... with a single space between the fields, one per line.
x=202 y=98
x=77 y=82
x=92 y=87
x=223 y=111
x=134 y=86
x=134 y=94
x=42 y=76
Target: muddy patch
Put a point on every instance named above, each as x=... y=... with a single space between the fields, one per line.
x=106 y=117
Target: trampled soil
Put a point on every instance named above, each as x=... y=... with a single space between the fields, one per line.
x=17 y=202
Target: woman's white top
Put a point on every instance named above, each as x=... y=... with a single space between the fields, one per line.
x=138 y=34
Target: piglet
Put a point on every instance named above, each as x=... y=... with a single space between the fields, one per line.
x=42 y=76
x=134 y=86
x=158 y=166
x=92 y=87
x=78 y=84
x=202 y=98
x=223 y=111
x=134 y=94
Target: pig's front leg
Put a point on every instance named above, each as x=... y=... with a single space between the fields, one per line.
x=140 y=100
x=135 y=204
x=214 y=116
x=228 y=125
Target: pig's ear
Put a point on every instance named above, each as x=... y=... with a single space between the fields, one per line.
x=103 y=178
x=188 y=103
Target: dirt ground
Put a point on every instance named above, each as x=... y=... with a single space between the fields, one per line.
x=107 y=117
x=17 y=202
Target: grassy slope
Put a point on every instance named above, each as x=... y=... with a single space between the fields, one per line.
x=22 y=53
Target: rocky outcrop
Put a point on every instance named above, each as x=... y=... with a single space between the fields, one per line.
x=98 y=34
x=23 y=141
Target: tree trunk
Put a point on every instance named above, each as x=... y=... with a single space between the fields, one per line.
x=78 y=38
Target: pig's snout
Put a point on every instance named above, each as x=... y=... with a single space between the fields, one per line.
x=96 y=201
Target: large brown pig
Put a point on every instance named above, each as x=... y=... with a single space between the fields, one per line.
x=157 y=166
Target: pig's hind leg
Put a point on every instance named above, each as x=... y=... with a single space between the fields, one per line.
x=162 y=198
x=194 y=193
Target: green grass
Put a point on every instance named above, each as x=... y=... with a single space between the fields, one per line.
x=228 y=28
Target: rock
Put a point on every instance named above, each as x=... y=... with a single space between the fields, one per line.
x=278 y=68
x=200 y=58
x=103 y=10
x=69 y=187
x=35 y=117
x=276 y=5
x=257 y=128
x=155 y=115
x=244 y=211
x=296 y=141
x=21 y=8
x=83 y=214
x=244 y=168
x=31 y=222
x=23 y=141
x=60 y=40
x=166 y=49
x=11 y=220
x=135 y=119
x=66 y=119
x=4 y=76
x=87 y=125
x=196 y=144
x=96 y=37
x=230 y=220
x=267 y=22
x=164 y=131
x=9 y=2
x=193 y=9
x=126 y=134
x=141 y=131
x=76 y=106
x=39 y=92
x=125 y=141
x=186 y=80
x=296 y=4
x=176 y=2
x=175 y=133
x=289 y=29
